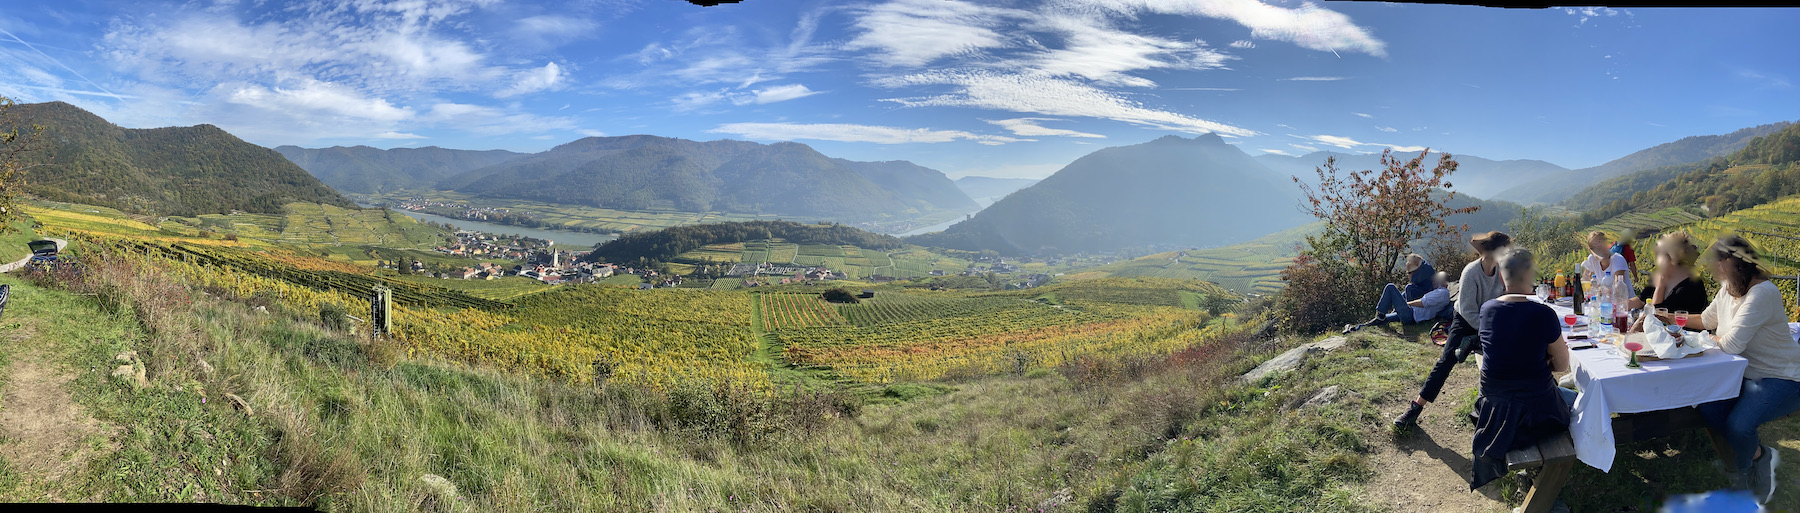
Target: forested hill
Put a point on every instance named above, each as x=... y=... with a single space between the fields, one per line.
x=664 y=244
x=643 y=172
x=1763 y=170
x=1560 y=186
x=361 y=169
x=1171 y=191
x=166 y=171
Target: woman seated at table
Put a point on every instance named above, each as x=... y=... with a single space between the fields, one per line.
x=1521 y=345
x=1432 y=306
x=1749 y=320
x=1674 y=286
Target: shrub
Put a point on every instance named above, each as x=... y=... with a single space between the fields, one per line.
x=1320 y=294
x=333 y=317
x=840 y=295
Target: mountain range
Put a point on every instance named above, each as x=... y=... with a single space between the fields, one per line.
x=1560 y=186
x=159 y=171
x=1474 y=176
x=365 y=170
x=1169 y=191
x=640 y=172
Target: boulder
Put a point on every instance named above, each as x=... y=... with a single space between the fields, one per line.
x=1057 y=501
x=1292 y=359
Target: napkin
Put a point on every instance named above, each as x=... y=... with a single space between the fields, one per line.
x=1662 y=344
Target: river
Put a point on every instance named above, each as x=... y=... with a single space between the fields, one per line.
x=558 y=236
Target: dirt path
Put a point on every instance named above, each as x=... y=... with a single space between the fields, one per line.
x=43 y=433
x=1427 y=469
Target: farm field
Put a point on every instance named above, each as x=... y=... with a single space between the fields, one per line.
x=306 y=224
x=858 y=263
x=899 y=336
x=1653 y=221
x=1249 y=268
x=575 y=216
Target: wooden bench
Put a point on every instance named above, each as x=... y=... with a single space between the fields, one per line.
x=1556 y=457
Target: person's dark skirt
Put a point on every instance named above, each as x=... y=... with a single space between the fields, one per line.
x=1512 y=415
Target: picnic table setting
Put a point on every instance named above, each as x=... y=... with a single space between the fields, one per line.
x=1630 y=387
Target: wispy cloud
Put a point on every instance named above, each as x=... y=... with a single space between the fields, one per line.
x=1314 y=79
x=1200 y=89
x=1028 y=127
x=1277 y=152
x=855 y=133
x=696 y=99
x=1766 y=80
x=1242 y=43
x=397 y=135
x=1387 y=129
x=1047 y=96
x=1351 y=144
x=1361 y=115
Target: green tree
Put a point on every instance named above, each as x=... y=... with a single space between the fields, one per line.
x=1373 y=216
x=16 y=143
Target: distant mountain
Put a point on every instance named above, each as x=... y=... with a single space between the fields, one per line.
x=640 y=172
x=1557 y=187
x=361 y=169
x=166 y=171
x=1170 y=191
x=1475 y=176
x=1762 y=170
x=988 y=190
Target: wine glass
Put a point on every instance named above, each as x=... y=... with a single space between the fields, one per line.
x=1569 y=320
x=1543 y=293
x=1681 y=318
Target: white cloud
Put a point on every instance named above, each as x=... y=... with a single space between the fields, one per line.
x=917 y=32
x=534 y=80
x=550 y=30
x=1314 y=79
x=1096 y=51
x=855 y=133
x=315 y=96
x=1277 y=152
x=781 y=93
x=590 y=133
x=1768 y=81
x=1361 y=115
x=1408 y=148
x=1047 y=96
x=1242 y=43
x=1387 y=129
x=1309 y=149
x=1029 y=128
x=1309 y=26
x=1341 y=142
x=397 y=135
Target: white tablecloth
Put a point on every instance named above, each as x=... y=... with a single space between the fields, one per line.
x=1606 y=387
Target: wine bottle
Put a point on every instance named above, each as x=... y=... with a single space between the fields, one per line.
x=1577 y=296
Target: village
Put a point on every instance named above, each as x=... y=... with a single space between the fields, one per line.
x=457 y=210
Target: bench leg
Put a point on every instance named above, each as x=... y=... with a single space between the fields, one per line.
x=1723 y=447
x=1547 y=486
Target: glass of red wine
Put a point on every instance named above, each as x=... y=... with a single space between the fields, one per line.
x=1681 y=318
x=1569 y=320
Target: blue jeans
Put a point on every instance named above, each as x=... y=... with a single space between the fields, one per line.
x=1393 y=305
x=1760 y=401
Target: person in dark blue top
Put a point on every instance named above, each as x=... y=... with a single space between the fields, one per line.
x=1419 y=277
x=1521 y=346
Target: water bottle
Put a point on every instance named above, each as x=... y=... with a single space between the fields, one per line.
x=1621 y=292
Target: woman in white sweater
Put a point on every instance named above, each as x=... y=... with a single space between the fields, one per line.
x=1750 y=320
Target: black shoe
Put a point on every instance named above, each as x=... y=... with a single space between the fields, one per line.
x=1468 y=346
x=1348 y=328
x=1740 y=480
x=1411 y=417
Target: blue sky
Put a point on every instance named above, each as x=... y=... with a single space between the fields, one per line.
x=1003 y=88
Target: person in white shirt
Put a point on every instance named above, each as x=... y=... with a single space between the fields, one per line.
x=1750 y=320
x=1433 y=306
x=1601 y=261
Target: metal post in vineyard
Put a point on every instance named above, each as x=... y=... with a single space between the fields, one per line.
x=381 y=305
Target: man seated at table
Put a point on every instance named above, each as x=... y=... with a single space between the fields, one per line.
x=1432 y=306
x=1521 y=346
x=1749 y=319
